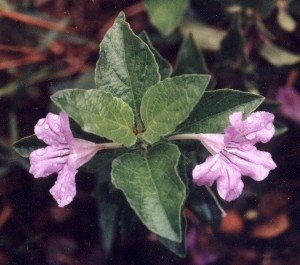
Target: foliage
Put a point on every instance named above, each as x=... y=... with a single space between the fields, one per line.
x=136 y=98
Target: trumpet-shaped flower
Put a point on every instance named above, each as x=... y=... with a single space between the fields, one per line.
x=64 y=155
x=234 y=154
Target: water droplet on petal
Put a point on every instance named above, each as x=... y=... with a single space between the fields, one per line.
x=55 y=117
x=269 y=126
x=41 y=121
x=69 y=198
x=63 y=189
x=46 y=126
x=250 y=119
x=262 y=125
x=257 y=114
x=251 y=136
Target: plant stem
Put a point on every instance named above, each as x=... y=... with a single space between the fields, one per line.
x=110 y=146
x=184 y=136
x=216 y=201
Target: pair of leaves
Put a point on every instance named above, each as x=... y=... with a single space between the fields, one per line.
x=129 y=94
x=164 y=106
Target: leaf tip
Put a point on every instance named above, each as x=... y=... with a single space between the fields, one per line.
x=121 y=16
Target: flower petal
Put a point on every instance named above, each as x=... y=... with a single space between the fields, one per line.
x=83 y=151
x=253 y=163
x=218 y=168
x=49 y=130
x=66 y=130
x=213 y=142
x=46 y=161
x=64 y=189
x=258 y=127
x=207 y=172
x=229 y=185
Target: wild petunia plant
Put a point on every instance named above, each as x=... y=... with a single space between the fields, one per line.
x=151 y=118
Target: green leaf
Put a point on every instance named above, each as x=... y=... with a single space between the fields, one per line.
x=165 y=68
x=278 y=56
x=168 y=103
x=153 y=188
x=211 y=114
x=206 y=37
x=232 y=46
x=109 y=206
x=266 y=7
x=126 y=66
x=98 y=112
x=286 y=21
x=270 y=106
x=6 y=5
x=165 y=15
x=178 y=248
x=201 y=203
x=108 y=214
x=280 y=128
x=28 y=144
x=190 y=59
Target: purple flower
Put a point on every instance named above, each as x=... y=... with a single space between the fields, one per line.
x=198 y=253
x=64 y=155
x=290 y=103
x=234 y=154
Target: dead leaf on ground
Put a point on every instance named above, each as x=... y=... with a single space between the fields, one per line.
x=272 y=228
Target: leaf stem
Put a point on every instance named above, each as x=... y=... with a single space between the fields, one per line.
x=216 y=201
x=109 y=146
x=184 y=136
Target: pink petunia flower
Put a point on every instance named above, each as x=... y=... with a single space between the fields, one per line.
x=64 y=155
x=234 y=154
x=290 y=103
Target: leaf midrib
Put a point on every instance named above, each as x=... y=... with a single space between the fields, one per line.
x=156 y=189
